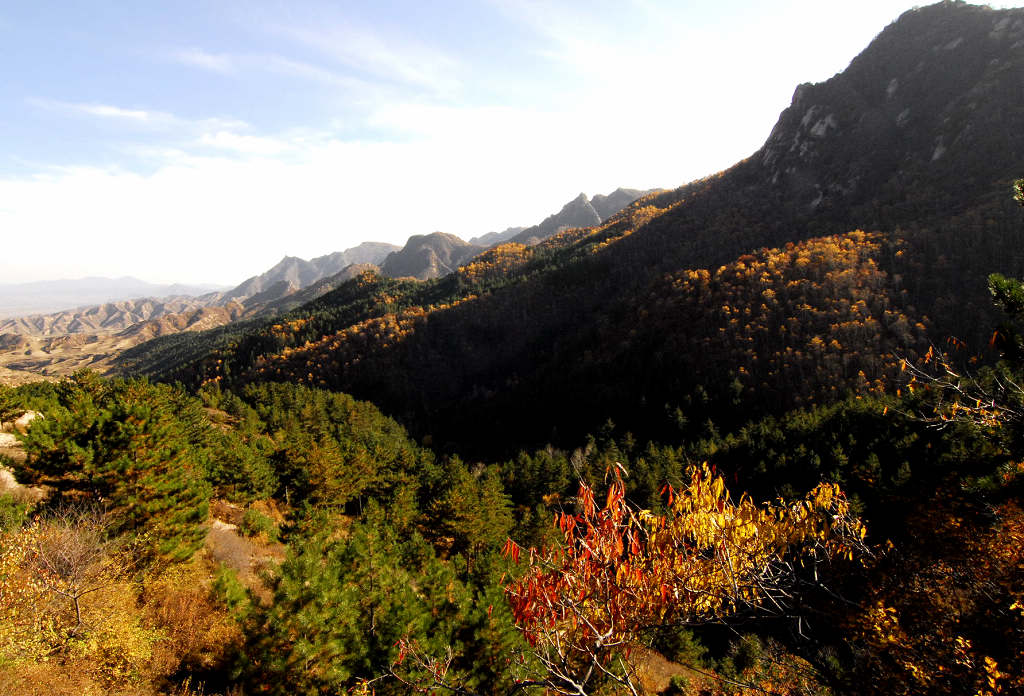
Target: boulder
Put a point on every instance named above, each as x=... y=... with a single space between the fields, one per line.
x=24 y=420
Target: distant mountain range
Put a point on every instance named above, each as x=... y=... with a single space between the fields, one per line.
x=109 y=317
x=54 y=328
x=17 y=299
x=104 y=305
x=494 y=238
x=173 y=305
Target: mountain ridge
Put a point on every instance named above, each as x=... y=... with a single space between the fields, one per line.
x=300 y=273
x=579 y=212
x=437 y=254
x=514 y=326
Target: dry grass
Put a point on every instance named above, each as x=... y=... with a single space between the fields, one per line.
x=59 y=678
x=76 y=619
x=196 y=631
x=655 y=673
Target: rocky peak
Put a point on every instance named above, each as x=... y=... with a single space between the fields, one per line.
x=576 y=213
x=427 y=256
x=931 y=83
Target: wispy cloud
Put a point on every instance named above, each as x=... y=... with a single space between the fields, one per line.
x=213 y=62
x=324 y=41
x=143 y=117
x=106 y=111
x=297 y=68
x=401 y=61
x=245 y=144
x=616 y=42
x=238 y=64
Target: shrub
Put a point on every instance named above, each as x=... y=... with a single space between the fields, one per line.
x=255 y=524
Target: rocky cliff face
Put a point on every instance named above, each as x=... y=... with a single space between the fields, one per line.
x=940 y=85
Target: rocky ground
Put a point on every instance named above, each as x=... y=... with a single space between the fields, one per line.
x=11 y=447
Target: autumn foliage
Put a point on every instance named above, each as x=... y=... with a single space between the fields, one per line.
x=946 y=614
x=620 y=572
x=77 y=616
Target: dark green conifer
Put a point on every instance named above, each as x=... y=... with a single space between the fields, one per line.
x=120 y=444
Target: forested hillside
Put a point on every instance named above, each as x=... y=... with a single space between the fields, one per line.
x=523 y=324
x=282 y=539
x=762 y=434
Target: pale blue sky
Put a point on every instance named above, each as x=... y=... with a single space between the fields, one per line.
x=201 y=141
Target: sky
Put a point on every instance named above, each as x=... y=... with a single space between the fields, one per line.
x=201 y=141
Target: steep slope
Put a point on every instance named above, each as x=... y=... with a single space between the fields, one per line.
x=942 y=84
x=921 y=133
x=434 y=255
x=576 y=213
x=579 y=212
x=781 y=327
x=566 y=333
x=317 y=289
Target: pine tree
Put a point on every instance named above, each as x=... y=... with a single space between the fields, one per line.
x=341 y=608
x=148 y=475
x=121 y=445
x=474 y=512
